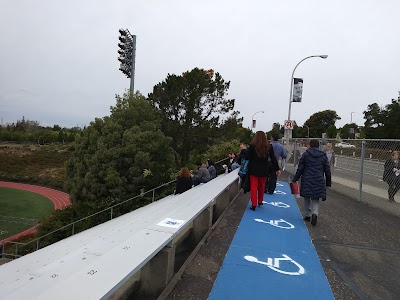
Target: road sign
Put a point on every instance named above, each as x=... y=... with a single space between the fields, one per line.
x=289 y=124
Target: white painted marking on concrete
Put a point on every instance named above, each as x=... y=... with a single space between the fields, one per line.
x=274 y=264
x=278 y=192
x=278 y=204
x=276 y=223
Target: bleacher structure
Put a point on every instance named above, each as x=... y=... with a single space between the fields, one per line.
x=133 y=255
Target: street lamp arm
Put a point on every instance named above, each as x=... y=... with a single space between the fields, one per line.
x=288 y=132
x=261 y=111
x=291 y=79
x=252 y=118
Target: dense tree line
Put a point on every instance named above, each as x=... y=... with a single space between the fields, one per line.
x=191 y=106
x=383 y=122
x=145 y=141
x=27 y=131
x=120 y=154
x=380 y=123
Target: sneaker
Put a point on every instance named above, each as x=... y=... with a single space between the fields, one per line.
x=260 y=204
x=307 y=219
x=314 y=219
x=253 y=208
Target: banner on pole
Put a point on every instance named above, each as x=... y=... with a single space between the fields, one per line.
x=297 y=89
x=254 y=124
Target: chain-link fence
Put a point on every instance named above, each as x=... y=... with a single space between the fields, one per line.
x=367 y=170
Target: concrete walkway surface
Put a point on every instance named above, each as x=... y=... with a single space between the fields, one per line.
x=358 y=246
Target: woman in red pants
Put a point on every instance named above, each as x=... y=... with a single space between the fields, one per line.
x=261 y=161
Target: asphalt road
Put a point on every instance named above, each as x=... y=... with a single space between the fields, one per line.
x=350 y=168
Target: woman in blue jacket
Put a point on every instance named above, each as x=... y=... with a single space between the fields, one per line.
x=315 y=175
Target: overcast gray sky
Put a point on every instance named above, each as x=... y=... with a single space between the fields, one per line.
x=58 y=59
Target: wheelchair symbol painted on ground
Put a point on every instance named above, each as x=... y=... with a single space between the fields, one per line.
x=276 y=223
x=275 y=264
x=278 y=192
x=278 y=204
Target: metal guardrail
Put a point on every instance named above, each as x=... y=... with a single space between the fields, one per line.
x=72 y=225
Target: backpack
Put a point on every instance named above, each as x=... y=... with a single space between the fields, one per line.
x=243 y=167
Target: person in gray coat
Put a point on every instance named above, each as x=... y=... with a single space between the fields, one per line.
x=201 y=175
x=315 y=174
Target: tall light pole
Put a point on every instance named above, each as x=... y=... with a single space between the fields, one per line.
x=308 y=130
x=127 y=56
x=288 y=132
x=351 y=117
x=252 y=118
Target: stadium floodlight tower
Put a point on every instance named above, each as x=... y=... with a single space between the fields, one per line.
x=127 y=54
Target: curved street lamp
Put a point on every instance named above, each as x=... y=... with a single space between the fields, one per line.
x=252 y=118
x=289 y=131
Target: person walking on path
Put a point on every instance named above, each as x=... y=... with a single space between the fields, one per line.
x=331 y=155
x=391 y=174
x=261 y=161
x=280 y=153
x=315 y=174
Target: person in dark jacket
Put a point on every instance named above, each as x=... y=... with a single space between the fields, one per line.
x=280 y=152
x=261 y=160
x=242 y=153
x=231 y=164
x=391 y=174
x=315 y=174
x=184 y=181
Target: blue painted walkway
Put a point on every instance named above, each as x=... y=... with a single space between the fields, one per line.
x=272 y=256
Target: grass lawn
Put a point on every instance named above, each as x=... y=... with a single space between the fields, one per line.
x=18 y=208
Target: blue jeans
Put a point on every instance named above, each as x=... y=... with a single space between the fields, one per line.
x=235 y=166
x=197 y=181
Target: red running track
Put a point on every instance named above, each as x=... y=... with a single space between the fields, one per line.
x=59 y=199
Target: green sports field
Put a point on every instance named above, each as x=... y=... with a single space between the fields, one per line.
x=20 y=210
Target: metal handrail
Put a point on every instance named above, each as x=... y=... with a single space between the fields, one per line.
x=87 y=217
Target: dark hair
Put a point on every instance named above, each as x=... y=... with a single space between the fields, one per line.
x=184 y=172
x=197 y=163
x=210 y=162
x=261 y=144
x=314 y=143
x=275 y=137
